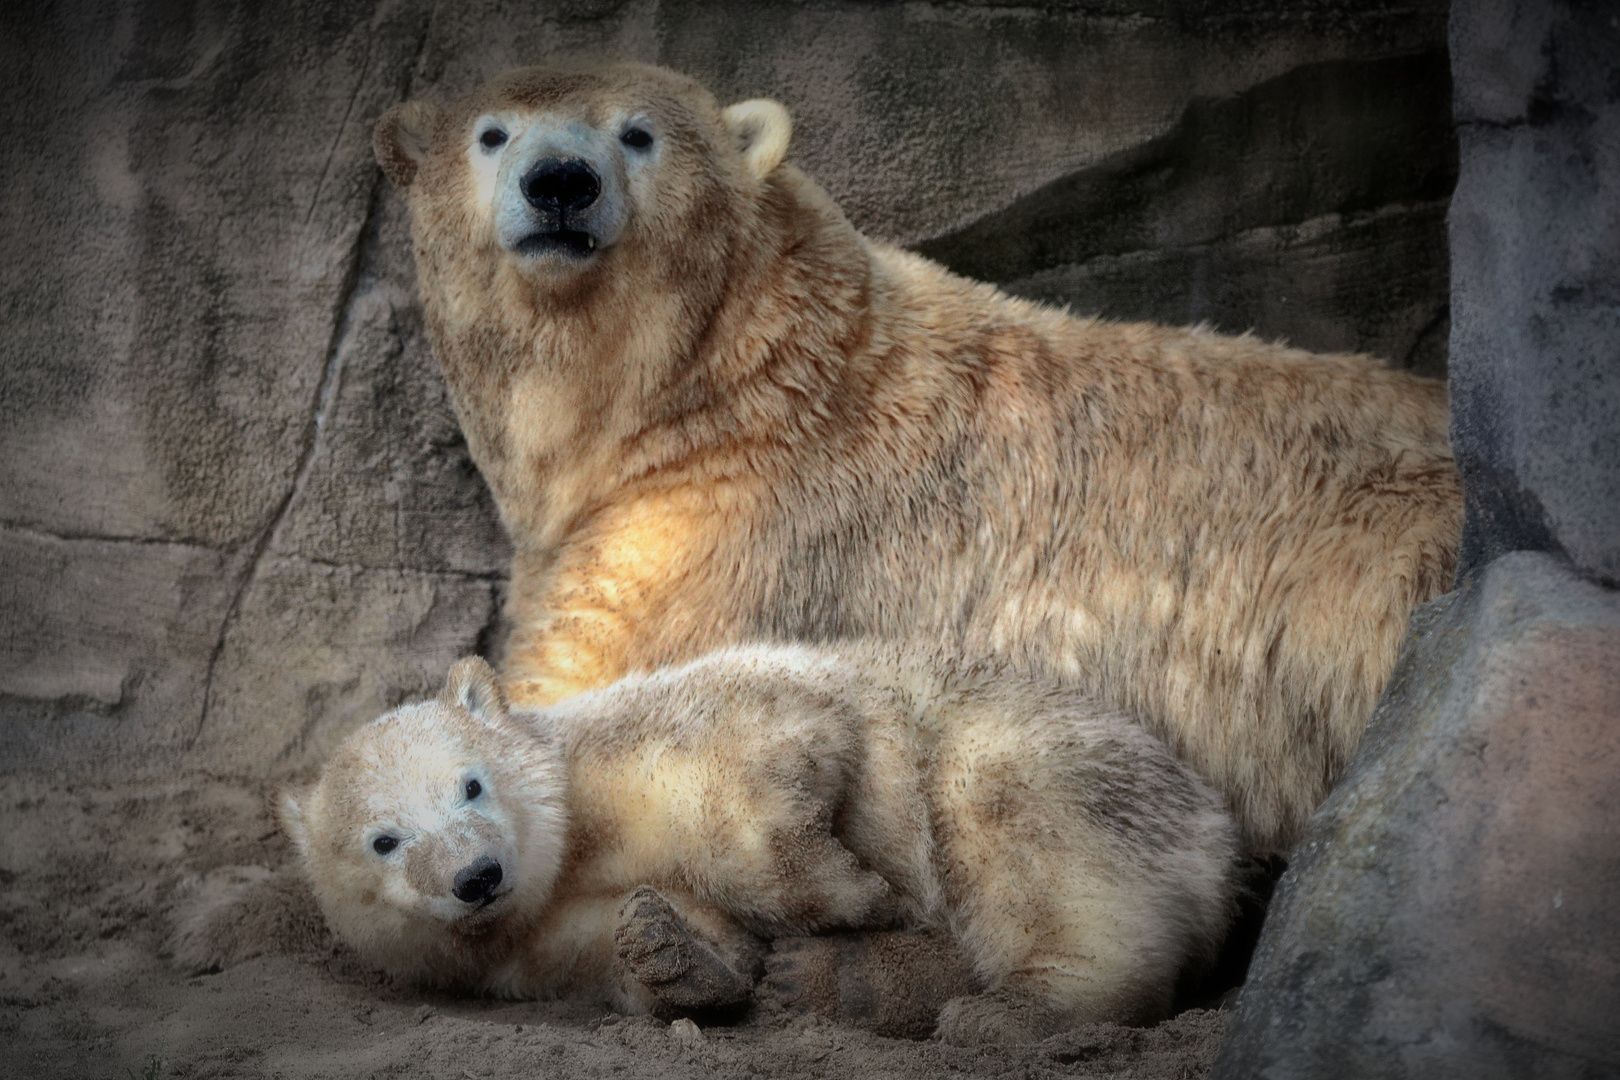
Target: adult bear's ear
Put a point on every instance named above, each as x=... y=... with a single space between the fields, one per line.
x=401 y=139
x=762 y=129
x=290 y=813
x=471 y=685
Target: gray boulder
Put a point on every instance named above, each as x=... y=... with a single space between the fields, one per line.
x=1450 y=911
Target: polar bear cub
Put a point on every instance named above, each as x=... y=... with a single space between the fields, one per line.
x=636 y=843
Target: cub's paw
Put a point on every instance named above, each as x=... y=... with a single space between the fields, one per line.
x=652 y=941
x=890 y=982
x=658 y=950
x=997 y=1017
x=240 y=912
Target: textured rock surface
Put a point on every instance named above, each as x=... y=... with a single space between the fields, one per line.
x=237 y=515
x=1535 y=234
x=1450 y=912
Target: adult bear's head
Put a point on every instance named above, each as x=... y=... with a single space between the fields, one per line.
x=606 y=260
x=564 y=178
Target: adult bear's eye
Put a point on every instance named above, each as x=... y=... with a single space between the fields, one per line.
x=637 y=138
x=474 y=789
x=492 y=138
x=384 y=844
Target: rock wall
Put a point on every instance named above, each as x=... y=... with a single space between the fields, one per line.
x=1535 y=232
x=237 y=516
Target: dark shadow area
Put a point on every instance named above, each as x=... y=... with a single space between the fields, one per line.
x=1210 y=990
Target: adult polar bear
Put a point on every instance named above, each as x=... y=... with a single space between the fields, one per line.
x=711 y=411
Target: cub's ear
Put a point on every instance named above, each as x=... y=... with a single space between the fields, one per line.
x=762 y=129
x=290 y=814
x=401 y=139
x=471 y=685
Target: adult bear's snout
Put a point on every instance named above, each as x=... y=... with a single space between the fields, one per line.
x=561 y=185
x=476 y=883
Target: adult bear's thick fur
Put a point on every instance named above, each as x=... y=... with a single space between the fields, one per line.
x=712 y=412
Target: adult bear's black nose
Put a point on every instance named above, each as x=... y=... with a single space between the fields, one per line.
x=561 y=185
x=476 y=882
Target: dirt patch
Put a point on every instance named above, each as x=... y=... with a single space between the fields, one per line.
x=89 y=876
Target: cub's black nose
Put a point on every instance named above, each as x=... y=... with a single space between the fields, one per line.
x=476 y=882
x=561 y=185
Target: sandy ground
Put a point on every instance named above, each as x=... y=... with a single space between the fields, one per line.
x=89 y=878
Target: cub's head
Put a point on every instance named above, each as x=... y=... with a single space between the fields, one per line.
x=559 y=175
x=432 y=827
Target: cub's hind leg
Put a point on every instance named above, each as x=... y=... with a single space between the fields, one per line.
x=1092 y=871
x=1029 y=1005
x=1004 y=1015
x=890 y=982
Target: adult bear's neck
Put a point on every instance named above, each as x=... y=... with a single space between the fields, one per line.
x=777 y=345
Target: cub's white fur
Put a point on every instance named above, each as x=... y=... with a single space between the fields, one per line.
x=770 y=791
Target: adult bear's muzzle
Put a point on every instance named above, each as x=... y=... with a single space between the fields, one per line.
x=560 y=195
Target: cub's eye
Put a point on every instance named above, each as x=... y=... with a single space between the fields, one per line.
x=474 y=789
x=384 y=844
x=492 y=138
x=636 y=138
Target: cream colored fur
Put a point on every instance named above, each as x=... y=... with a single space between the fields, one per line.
x=741 y=420
x=775 y=790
